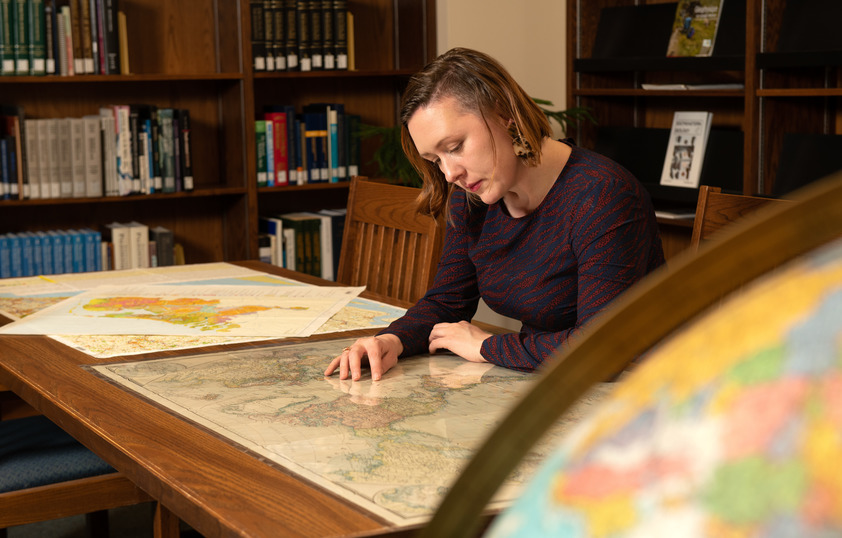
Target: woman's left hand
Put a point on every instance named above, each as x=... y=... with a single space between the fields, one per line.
x=460 y=338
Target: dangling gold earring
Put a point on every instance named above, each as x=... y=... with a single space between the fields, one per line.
x=521 y=146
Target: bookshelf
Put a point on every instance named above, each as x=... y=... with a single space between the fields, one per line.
x=786 y=55
x=196 y=54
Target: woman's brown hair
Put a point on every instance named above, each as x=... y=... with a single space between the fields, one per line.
x=481 y=85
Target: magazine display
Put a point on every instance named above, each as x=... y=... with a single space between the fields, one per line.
x=686 y=149
x=694 y=28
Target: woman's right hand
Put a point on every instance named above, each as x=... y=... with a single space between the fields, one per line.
x=380 y=352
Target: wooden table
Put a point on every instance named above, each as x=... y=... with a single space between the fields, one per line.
x=217 y=488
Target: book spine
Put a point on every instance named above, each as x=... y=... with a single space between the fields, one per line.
x=69 y=45
x=99 y=14
x=124 y=149
x=333 y=145
x=270 y=153
x=77 y=157
x=76 y=33
x=290 y=15
x=111 y=37
x=46 y=253
x=54 y=159
x=340 y=33
x=279 y=145
x=5 y=256
x=268 y=35
x=316 y=35
x=134 y=143
x=37 y=38
x=50 y=37
x=65 y=157
x=20 y=32
x=94 y=35
x=279 y=49
x=86 y=36
x=31 y=158
x=155 y=151
x=167 y=155
x=302 y=11
x=5 y=187
x=60 y=46
x=7 y=61
x=109 y=151
x=176 y=144
x=93 y=156
x=185 y=142
x=258 y=35
x=328 y=35
x=260 y=149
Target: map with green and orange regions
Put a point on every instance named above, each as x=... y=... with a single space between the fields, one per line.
x=22 y=297
x=162 y=309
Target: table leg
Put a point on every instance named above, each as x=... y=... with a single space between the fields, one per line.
x=165 y=524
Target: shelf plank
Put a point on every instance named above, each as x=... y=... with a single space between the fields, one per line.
x=78 y=79
x=638 y=92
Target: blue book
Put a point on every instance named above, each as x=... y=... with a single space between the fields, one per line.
x=37 y=253
x=65 y=245
x=58 y=251
x=77 y=242
x=93 y=249
x=16 y=249
x=316 y=135
x=5 y=256
x=46 y=253
x=27 y=249
x=270 y=154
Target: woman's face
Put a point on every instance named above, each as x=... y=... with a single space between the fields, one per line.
x=459 y=143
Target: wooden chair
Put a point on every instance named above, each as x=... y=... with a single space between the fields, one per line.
x=386 y=245
x=90 y=495
x=715 y=210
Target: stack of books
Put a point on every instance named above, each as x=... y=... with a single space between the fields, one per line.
x=55 y=37
x=300 y=35
x=130 y=245
x=319 y=144
x=123 y=150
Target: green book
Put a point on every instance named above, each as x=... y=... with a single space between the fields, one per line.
x=7 y=61
x=20 y=46
x=260 y=143
x=36 y=38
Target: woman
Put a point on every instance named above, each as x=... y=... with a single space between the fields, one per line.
x=545 y=232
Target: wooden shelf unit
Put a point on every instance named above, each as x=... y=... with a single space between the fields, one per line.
x=196 y=54
x=792 y=80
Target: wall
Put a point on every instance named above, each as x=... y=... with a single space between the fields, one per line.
x=528 y=38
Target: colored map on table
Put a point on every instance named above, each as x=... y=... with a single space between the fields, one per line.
x=390 y=447
x=22 y=297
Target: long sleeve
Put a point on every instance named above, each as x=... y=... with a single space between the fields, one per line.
x=592 y=237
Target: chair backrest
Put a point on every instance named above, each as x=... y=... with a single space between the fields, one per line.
x=716 y=210
x=386 y=245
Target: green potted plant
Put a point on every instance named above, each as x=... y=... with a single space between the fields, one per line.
x=393 y=164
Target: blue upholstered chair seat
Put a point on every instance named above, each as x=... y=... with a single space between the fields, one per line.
x=36 y=452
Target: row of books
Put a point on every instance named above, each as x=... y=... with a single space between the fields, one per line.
x=123 y=150
x=85 y=250
x=318 y=144
x=116 y=246
x=61 y=37
x=300 y=35
x=307 y=242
